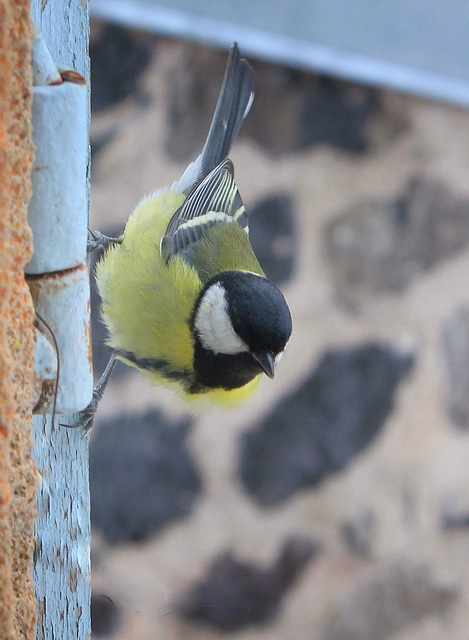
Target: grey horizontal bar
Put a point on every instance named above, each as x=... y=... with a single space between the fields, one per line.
x=414 y=46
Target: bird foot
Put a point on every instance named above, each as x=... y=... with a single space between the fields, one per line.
x=97 y=241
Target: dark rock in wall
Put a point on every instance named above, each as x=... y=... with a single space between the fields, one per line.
x=385 y=600
x=382 y=247
x=294 y=110
x=320 y=427
x=357 y=534
x=105 y=615
x=337 y=113
x=193 y=87
x=235 y=594
x=141 y=476
x=452 y=519
x=455 y=345
x=272 y=234
x=118 y=58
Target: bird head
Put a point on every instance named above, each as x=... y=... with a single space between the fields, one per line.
x=239 y=312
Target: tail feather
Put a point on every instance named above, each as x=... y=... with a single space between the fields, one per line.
x=233 y=105
x=234 y=102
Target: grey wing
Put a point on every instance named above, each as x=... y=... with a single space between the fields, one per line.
x=213 y=201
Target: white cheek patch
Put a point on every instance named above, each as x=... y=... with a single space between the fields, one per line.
x=213 y=324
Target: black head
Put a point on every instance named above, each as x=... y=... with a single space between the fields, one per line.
x=242 y=314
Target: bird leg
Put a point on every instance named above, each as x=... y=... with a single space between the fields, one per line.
x=86 y=417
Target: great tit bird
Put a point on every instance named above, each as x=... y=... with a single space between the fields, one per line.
x=184 y=298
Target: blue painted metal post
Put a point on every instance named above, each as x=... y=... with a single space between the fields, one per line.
x=62 y=568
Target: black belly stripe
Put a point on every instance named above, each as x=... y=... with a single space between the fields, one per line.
x=212 y=371
x=158 y=365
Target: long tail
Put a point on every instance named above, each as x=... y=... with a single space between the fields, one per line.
x=234 y=102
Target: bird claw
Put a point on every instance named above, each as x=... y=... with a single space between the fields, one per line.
x=97 y=241
x=86 y=417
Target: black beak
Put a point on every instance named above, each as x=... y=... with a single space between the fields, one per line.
x=266 y=362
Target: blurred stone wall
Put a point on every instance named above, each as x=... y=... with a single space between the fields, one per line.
x=333 y=505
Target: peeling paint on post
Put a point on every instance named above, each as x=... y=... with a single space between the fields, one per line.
x=62 y=567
